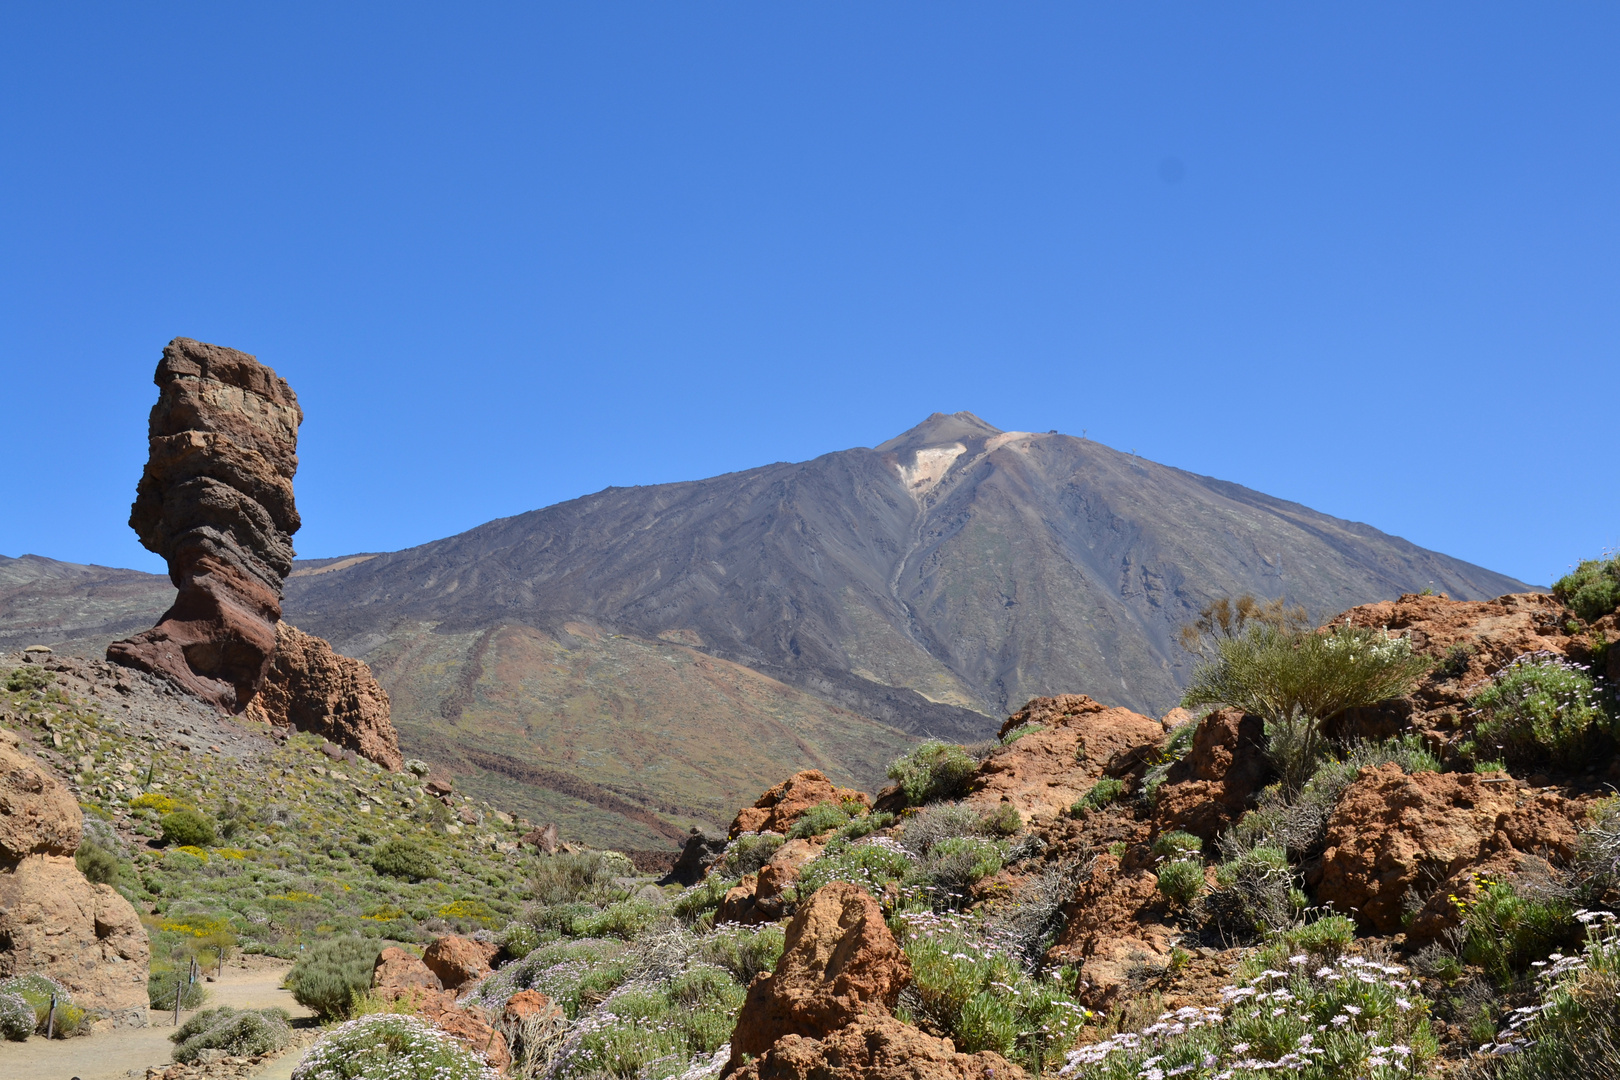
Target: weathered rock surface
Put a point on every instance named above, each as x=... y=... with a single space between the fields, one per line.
x=1209 y=789
x=1045 y=771
x=839 y=962
x=1392 y=833
x=699 y=851
x=458 y=961
x=397 y=971
x=1114 y=923
x=875 y=1048
x=216 y=501
x=782 y=805
x=38 y=816
x=763 y=897
x=311 y=688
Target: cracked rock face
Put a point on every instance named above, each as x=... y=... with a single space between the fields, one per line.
x=216 y=501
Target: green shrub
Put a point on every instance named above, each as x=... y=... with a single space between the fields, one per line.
x=330 y=973
x=519 y=939
x=1020 y=731
x=1592 y=589
x=872 y=864
x=238 y=1033
x=625 y=919
x=866 y=825
x=745 y=951
x=1299 y=680
x=823 y=817
x=1102 y=793
x=1181 y=880
x=749 y=851
x=186 y=828
x=560 y=918
x=160 y=987
x=96 y=863
x=408 y=860
x=1177 y=845
x=1539 y=706
x=701 y=899
x=1327 y=937
x=1257 y=891
x=1004 y=820
x=29 y=677
x=37 y=991
x=935 y=770
x=960 y=861
x=392 y=1046
x=1508 y=929
x=17 y=1019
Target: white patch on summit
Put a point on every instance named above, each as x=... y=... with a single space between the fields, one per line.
x=929 y=467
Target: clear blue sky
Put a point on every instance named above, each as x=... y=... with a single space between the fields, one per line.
x=1366 y=257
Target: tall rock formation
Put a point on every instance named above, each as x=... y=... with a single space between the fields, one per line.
x=216 y=501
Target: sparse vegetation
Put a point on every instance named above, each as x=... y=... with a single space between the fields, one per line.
x=28 y=678
x=331 y=973
x=1103 y=792
x=1592 y=589
x=240 y=1033
x=162 y=982
x=1539 y=706
x=935 y=770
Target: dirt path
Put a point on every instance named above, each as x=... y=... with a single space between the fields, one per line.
x=126 y=1053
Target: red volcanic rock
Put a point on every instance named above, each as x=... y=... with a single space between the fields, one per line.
x=38 y=816
x=839 y=962
x=458 y=961
x=313 y=689
x=1391 y=833
x=397 y=971
x=1045 y=771
x=875 y=1048
x=1208 y=790
x=216 y=501
x=782 y=805
x=1113 y=925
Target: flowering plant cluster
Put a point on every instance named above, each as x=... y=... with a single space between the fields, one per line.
x=389 y=1046
x=1570 y=984
x=1539 y=704
x=1353 y=1018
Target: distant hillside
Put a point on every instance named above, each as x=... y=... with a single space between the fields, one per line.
x=660 y=654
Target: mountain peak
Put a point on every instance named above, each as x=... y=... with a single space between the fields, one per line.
x=940 y=429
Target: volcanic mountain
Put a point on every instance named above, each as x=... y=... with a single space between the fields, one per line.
x=642 y=659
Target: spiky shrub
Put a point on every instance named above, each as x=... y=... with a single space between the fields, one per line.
x=961 y=861
x=1352 y=1018
x=161 y=986
x=17 y=1020
x=1102 y=793
x=935 y=770
x=749 y=851
x=187 y=828
x=1539 y=706
x=1181 y=880
x=1298 y=681
x=1592 y=589
x=408 y=860
x=241 y=1033
x=330 y=974
x=821 y=818
x=1511 y=928
x=393 y=1047
x=966 y=983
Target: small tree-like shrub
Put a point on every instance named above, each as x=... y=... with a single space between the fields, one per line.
x=1102 y=793
x=186 y=828
x=330 y=973
x=1181 y=880
x=1540 y=705
x=239 y=1033
x=935 y=770
x=581 y=876
x=1592 y=589
x=17 y=1019
x=821 y=818
x=408 y=860
x=391 y=1046
x=160 y=988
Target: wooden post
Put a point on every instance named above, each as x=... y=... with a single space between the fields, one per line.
x=179 y=988
x=50 y=1019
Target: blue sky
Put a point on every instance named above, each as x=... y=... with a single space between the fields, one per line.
x=1366 y=257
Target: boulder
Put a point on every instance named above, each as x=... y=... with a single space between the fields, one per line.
x=313 y=689
x=530 y=1003
x=38 y=816
x=1045 y=771
x=777 y=809
x=762 y=897
x=472 y=1029
x=1392 y=834
x=397 y=972
x=697 y=854
x=875 y=1048
x=216 y=501
x=1208 y=790
x=1113 y=926
x=458 y=961
x=542 y=839
x=839 y=962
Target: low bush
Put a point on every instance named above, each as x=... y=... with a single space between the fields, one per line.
x=580 y=877
x=926 y=828
x=701 y=899
x=17 y=1019
x=161 y=985
x=29 y=677
x=749 y=851
x=821 y=818
x=1102 y=793
x=1181 y=880
x=390 y=1046
x=935 y=770
x=519 y=939
x=1257 y=892
x=1003 y=820
x=1592 y=589
x=1509 y=929
x=745 y=951
x=960 y=861
x=625 y=919
x=1327 y=937
x=37 y=992
x=1177 y=845
x=186 y=828
x=872 y=864
x=635 y=1030
x=330 y=973
x=242 y=1033
x=96 y=863
x=408 y=860
x=1020 y=731
x=1539 y=706
x=866 y=825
